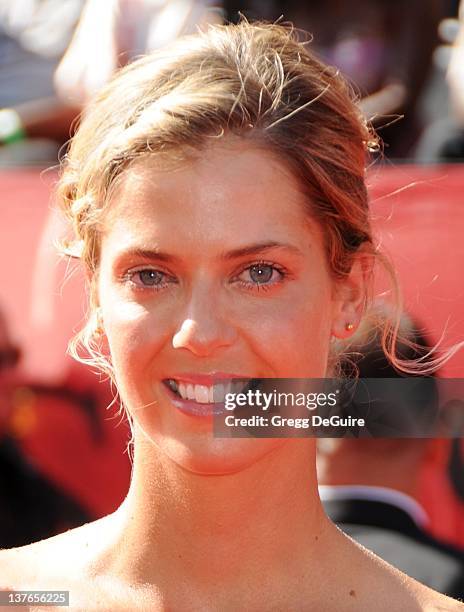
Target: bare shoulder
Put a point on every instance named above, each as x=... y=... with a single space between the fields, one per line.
x=418 y=596
x=69 y=562
x=425 y=598
x=62 y=558
x=374 y=584
x=435 y=602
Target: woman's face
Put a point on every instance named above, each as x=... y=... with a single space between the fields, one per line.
x=211 y=269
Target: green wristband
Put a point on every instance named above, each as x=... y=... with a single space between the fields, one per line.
x=11 y=127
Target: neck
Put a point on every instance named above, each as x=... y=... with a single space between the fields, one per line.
x=229 y=529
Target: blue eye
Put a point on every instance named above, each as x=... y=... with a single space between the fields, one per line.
x=150 y=278
x=261 y=275
x=147 y=278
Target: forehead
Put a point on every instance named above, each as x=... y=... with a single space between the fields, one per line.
x=227 y=193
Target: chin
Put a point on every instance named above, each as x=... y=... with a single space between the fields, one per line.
x=208 y=456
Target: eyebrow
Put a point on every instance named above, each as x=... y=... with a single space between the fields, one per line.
x=252 y=249
x=148 y=254
x=260 y=247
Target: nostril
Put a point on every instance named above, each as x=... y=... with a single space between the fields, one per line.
x=204 y=337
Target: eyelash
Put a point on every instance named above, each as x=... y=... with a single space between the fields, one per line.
x=129 y=278
x=251 y=285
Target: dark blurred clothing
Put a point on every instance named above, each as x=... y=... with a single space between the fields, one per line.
x=31 y=507
x=67 y=432
x=394 y=532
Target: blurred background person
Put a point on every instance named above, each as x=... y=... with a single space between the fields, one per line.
x=117 y=31
x=443 y=140
x=384 y=48
x=31 y=506
x=34 y=120
x=56 y=54
x=456 y=70
x=370 y=486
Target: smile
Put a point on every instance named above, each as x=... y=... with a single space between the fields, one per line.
x=204 y=394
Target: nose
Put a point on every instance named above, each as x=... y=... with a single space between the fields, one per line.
x=203 y=329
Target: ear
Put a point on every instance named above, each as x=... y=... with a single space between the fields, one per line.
x=350 y=295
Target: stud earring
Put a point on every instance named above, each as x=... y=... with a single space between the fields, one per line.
x=349 y=326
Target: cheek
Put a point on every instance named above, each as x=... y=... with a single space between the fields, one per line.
x=133 y=328
x=304 y=353
x=293 y=337
x=133 y=338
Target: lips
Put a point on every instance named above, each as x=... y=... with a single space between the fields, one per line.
x=203 y=395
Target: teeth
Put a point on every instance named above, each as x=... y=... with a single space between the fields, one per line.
x=203 y=394
x=218 y=392
x=191 y=392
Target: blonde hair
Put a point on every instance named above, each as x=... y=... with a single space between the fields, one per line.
x=254 y=81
